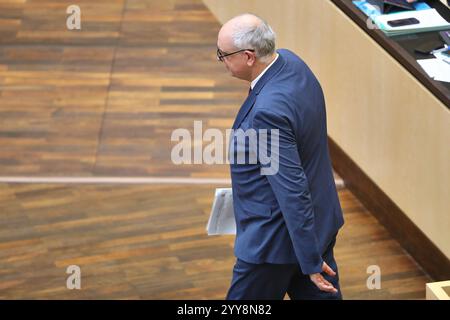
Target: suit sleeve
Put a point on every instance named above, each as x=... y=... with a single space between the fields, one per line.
x=290 y=186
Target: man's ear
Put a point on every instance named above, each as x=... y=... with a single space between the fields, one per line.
x=251 y=58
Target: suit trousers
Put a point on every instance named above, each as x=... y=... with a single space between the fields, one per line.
x=269 y=281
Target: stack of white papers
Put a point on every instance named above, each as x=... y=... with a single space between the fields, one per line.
x=436 y=68
x=429 y=20
x=440 y=54
x=221 y=220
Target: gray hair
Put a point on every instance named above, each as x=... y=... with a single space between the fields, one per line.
x=259 y=37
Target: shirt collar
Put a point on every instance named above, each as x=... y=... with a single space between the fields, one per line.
x=253 y=83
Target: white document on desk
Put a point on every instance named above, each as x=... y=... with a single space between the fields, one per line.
x=221 y=220
x=429 y=20
x=436 y=68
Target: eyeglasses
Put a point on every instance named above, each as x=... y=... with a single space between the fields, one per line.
x=221 y=54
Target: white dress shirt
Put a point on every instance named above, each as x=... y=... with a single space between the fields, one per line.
x=253 y=83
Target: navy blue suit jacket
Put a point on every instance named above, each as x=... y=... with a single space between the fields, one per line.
x=293 y=215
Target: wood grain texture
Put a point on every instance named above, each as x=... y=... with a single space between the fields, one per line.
x=103 y=102
x=144 y=242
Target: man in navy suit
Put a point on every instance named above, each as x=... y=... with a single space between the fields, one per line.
x=287 y=218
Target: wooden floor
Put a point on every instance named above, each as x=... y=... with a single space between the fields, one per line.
x=145 y=242
x=104 y=101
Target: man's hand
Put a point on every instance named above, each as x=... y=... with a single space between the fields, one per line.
x=321 y=282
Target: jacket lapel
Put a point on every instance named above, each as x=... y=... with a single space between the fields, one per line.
x=245 y=108
x=250 y=101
